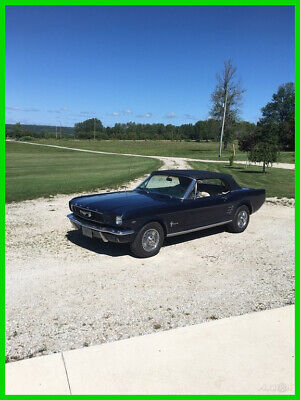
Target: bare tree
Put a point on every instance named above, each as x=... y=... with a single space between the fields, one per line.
x=226 y=101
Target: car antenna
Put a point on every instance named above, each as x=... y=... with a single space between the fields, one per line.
x=128 y=180
x=130 y=170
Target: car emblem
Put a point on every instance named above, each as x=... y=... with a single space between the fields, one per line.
x=85 y=213
x=173 y=223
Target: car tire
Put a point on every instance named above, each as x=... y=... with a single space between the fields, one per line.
x=148 y=241
x=240 y=220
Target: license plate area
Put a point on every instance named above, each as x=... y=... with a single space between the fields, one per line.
x=87 y=232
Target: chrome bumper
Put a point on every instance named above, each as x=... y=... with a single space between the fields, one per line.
x=99 y=230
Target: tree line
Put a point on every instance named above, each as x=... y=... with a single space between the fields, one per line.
x=206 y=130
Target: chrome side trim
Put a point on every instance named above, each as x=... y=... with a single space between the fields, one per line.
x=198 y=229
x=99 y=229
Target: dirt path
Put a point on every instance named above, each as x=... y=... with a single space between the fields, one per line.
x=181 y=161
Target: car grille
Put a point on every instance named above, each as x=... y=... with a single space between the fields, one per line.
x=88 y=214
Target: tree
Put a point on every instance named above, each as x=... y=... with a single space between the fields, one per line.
x=247 y=142
x=261 y=145
x=229 y=134
x=267 y=153
x=89 y=125
x=244 y=128
x=281 y=112
x=226 y=100
x=17 y=130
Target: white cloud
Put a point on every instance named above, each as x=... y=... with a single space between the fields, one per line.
x=126 y=112
x=58 y=110
x=12 y=108
x=170 y=115
x=31 y=109
x=22 y=109
x=24 y=121
x=54 y=111
x=189 y=116
x=113 y=114
x=87 y=113
x=146 y=115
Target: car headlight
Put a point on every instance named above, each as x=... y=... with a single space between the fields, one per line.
x=119 y=220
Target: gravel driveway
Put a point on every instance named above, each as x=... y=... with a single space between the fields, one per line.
x=64 y=291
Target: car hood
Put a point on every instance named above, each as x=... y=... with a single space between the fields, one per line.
x=120 y=202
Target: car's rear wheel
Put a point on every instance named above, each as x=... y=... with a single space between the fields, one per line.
x=148 y=241
x=240 y=220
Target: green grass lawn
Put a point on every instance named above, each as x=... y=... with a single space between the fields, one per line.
x=202 y=150
x=277 y=182
x=36 y=171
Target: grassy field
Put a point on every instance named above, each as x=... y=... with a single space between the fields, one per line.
x=203 y=150
x=277 y=182
x=36 y=171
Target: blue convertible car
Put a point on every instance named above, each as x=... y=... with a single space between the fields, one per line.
x=167 y=203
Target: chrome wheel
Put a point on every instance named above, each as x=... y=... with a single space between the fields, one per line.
x=242 y=219
x=150 y=240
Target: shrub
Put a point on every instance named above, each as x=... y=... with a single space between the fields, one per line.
x=26 y=138
x=231 y=160
x=264 y=152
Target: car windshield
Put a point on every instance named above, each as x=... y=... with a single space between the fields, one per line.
x=173 y=186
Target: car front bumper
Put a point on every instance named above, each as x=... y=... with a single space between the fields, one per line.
x=105 y=233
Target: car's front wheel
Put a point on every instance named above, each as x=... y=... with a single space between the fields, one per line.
x=240 y=220
x=148 y=241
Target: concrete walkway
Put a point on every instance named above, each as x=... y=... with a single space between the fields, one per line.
x=249 y=354
x=165 y=159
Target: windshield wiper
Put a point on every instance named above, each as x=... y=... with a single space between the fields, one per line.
x=154 y=192
x=163 y=194
x=142 y=189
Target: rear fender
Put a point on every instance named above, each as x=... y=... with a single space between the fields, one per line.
x=246 y=203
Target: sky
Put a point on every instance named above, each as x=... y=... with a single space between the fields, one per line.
x=65 y=64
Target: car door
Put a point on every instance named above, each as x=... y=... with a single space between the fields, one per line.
x=175 y=213
x=212 y=209
x=193 y=212
x=179 y=217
